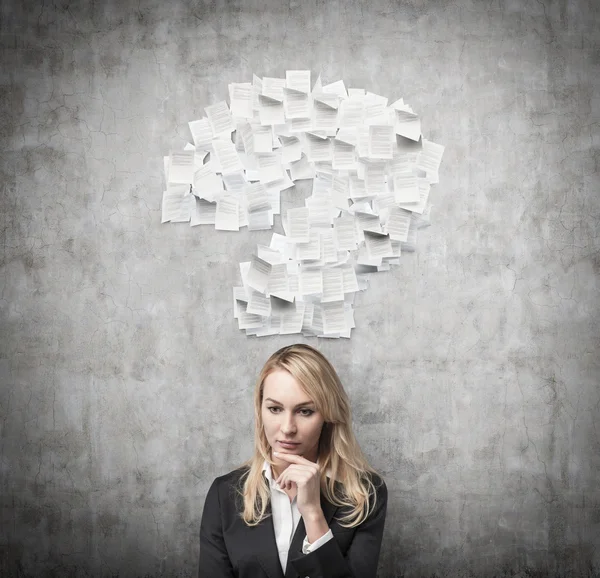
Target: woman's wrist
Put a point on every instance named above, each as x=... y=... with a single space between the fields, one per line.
x=315 y=525
x=313 y=516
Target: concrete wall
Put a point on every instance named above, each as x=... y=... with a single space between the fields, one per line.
x=474 y=368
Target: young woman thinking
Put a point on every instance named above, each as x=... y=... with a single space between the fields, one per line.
x=306 y=503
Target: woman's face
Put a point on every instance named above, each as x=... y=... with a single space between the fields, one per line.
x=288 y=414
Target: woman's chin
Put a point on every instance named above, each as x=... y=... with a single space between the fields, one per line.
x=282 y=450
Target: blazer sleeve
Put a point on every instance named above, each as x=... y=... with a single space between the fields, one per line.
x=214 y=560
x=362 y=556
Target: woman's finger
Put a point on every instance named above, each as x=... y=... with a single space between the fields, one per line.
x=293 y=469
x=294 y=477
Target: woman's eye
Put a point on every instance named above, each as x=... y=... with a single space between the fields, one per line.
x=308 y=412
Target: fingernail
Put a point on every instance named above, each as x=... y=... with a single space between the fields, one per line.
x=275 y=453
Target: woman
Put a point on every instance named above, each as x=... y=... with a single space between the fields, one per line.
x=307 y=503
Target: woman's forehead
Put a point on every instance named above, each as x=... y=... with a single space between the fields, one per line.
x=283 y=384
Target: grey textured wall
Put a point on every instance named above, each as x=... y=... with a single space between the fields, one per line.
x=474 y=368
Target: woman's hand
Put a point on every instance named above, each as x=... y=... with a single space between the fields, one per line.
x=305 y=474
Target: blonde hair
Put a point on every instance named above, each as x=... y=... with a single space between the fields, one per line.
x=339 y=453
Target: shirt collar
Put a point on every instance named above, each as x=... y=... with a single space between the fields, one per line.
x=267 y=471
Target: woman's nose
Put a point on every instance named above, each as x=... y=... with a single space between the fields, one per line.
x=288 y=425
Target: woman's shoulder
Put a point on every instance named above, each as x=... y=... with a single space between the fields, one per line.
x=376 y=479
x=372 y=477
x=231 y=478
x=372 y=482
x=378 y=483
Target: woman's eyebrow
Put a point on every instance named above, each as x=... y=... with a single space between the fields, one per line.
x=298 y=405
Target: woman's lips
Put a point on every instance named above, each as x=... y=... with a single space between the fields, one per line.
x=288 y=445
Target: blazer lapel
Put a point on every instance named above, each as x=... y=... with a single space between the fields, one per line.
x=296 y=546
x=265 y=544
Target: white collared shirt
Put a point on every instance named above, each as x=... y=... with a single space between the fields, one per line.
x=285 y=520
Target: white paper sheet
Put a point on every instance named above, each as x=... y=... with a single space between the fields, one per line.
x=227 y=214
x=375 y=107
x=181 y=167
x=249 y=320
x=291 y=149
x=302 y=169
x=298 y=226
x=259 y=304
x=204 y=213
x=291 y=322
x=310 y=250
x=382 y=203
x=201 y=133
x=260 y=220
x=273 y=87
x=321 y=186
x=419 y=207
x=375 y=174
x=318 y=149
x=429 y=160
x=406 y=188
x=320 y=211
x=334 y=317
x=378 y=245
x=351 y=113
x=345 y=233
x=227 y=156
x=241 y=98
x=300 y=125
x=329 y=248
x=358 y=189
x=311 y=281
x=338 y=87
x=262 y=139
x=324 y=118
x=257 y=198
x=408 y=125
x=348 y=136
x=270 y=111
x=269 y=168
x=333 y=285
x=349 y=279
x=278 y=279
x=398 y=224
x=296 y=104
x=256 y=91
x=364 y=258
x=368 y=222
x=235 y=183
x=207 y=184
x=308 y=317
x=239 y=294
x=175 y=204
x=344 y=158
x=340 y=192
x=271 y=327
x=258 y=274
x=381 y=141
x=298 y=80
x=220 y=119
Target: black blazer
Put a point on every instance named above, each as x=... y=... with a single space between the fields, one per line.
x=231 y=549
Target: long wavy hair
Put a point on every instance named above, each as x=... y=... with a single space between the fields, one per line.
x=350 y=482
